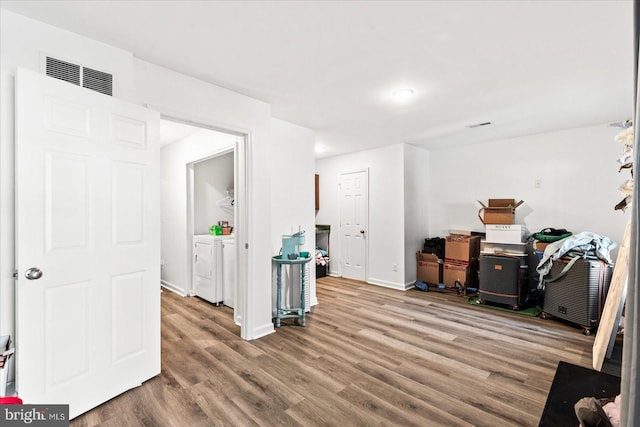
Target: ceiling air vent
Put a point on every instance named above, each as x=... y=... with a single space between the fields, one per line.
x=63 y=70
x=97 y=80
x=78 y=75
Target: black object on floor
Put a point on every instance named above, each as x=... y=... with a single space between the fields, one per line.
x=321 y=271
x=500 y=280
x=570 y=384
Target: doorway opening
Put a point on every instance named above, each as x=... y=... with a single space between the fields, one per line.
x=202 y=177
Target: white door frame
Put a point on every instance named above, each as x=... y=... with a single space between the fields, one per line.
x=191 y=208
x=242 y=195
x=190 y=170
x=366 y=242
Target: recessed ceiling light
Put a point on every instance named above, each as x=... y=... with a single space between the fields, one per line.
x=402 y=94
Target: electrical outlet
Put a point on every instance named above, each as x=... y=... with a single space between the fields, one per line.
x=394 y=267
x=537 y=183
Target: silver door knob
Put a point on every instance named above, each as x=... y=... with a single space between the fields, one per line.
x=33 y=273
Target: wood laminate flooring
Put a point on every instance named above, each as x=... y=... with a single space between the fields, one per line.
x=369 y=356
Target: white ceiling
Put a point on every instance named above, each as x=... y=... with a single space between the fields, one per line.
x=526 y=66
x=171 y=131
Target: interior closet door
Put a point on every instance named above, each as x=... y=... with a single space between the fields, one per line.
x=354 y=224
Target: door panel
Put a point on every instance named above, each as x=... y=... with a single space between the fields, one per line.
x=66 y=313
x=354 y=217
x=127 y=310
x=127 y=202
x=87 y=215
x=67 y=117
x=67 y=201
x=127 y=131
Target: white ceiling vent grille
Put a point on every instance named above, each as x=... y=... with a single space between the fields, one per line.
x=78 y=75
x=63 y=70
x=97 y=80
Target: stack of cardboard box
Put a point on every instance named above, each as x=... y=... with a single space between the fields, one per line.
x=461 y=261
x=498 y=216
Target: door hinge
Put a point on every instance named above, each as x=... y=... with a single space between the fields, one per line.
x=15 y=274
x=246 y=246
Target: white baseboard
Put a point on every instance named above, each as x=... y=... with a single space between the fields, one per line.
x=261 y=331
x=173 y=288
x=392 y=285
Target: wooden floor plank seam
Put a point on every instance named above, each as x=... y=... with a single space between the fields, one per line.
x=368 y=356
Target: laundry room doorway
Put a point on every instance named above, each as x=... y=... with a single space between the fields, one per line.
x=211 y=217
x=203 y=188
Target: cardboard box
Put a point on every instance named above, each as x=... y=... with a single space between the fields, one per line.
x=498 y=211
x=428 y=257
x=461 y=249
x=466 y=274
x=506 y=233
x=429 y=268
x=541 y=246
x=430 y=272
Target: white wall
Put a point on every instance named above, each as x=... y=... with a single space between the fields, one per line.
x=212 y=179
x=293 y=193
x=416 y=192
x=174 y=95
x=179 y=96
x=22 y=43
x=174 y=159
x=425 y=194
x=577 y=167
x=385 y=241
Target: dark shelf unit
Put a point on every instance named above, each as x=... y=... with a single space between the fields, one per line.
x=322 y=242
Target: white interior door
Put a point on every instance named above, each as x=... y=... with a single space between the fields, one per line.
x=87 y=216
x=229 y=272
x=354 y=223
